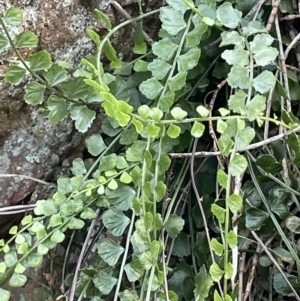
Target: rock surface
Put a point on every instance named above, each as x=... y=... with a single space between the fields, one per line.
x=29 y=144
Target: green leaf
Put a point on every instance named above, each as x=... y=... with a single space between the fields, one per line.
x=255 y=218
x=34 y=93
x=266 y=56
x=128 y=295
x=159 y=68
x=217 y=296
x=58 y=109
x=236 y=56
x=178 y=81
x=82 y=116
x=128 y=136
x=182 y=245
x=55 y=220
x=115 y=221
x=172 y=20
x=203 y=112
x=138 y=125
x=174 y=225
x=110 y=251
x=42 y=249
x=75 y=223
x=94 y=36
x=166 y=100
x=237 y=165
x=164 y=49
x=104 y=282
x=268 y=164
x=244 y=137
x=40 y=61
x=151 y=88
x=228 y=270
x=278 y=200
x=197 y=129
x=263 y=53
x=225 y=144
x=13 y=16
x=178 y=113
x=13 y=230
x=152 y=130
x=57 y=236
x=10 y=258
x=3 y=42
x=64 y=185
x=208 y=12
x=194 y=36
x=218 y=212
x=117 y=109
x=103 y=17
x=217 y=247
x=34 y=260
x=254 y=27
x=26 y=220
x=232 y=38
x=229 y=16
x=173 y=131
x=95 y=144
x=255 y=107
x=222 y=178
x=234 y=202
x=4 y=295
x=55 y=75
x=134 y=270
x=293 y=224
x=179 y=5
x=76 y=88
x=232 y=239
x=215 y=272
x=26 y=39
x=160 y=191
x=238 y=77
x=14 y=75
x=284 y=255
x=17 y=280
x=78 y=167
x=88 y=213
x=113 y=185
x=264 y=82
x=140 y=48
x=141 y=66
x=135 y=152
x=147 y=260
x=189 y=60
x=122 y=197
x=45 y=207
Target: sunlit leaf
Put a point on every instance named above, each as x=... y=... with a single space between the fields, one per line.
x=215 y=272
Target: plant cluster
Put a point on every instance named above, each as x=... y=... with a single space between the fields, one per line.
x=187 y=89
